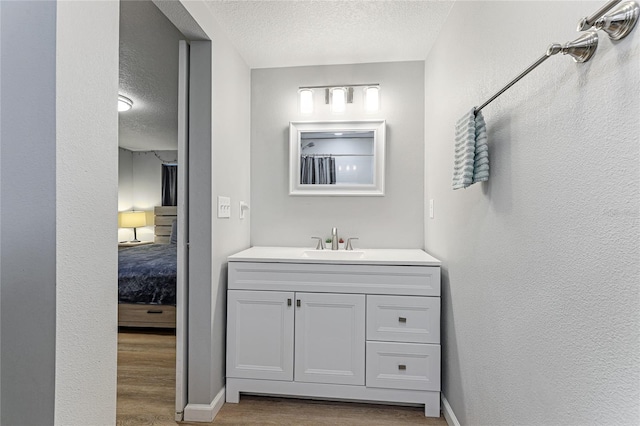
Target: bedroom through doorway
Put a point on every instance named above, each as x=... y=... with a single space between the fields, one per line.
x=152 y=200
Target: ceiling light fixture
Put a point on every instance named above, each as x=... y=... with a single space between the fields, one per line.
x=124 y=103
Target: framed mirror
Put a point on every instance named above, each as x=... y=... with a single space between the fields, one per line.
x=337 y=157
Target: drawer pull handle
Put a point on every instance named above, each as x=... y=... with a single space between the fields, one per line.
x=298 y=303
x=402 y=367
x=288 y=302
x=154 y=311
x=402 y=320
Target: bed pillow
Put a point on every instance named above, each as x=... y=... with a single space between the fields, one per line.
x=174 y=232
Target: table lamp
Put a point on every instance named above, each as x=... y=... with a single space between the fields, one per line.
x=132 y=219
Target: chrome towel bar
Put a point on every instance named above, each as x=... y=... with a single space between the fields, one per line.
x=618 y=24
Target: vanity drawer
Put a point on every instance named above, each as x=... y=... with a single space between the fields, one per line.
x=403 y=366
x=403 y=319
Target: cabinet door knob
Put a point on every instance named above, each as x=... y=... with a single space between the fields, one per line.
x=402 y=319
x=298 y=303
x=289 y=302
x=402 y=367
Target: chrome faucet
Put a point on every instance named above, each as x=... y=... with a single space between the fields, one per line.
x=334 y=239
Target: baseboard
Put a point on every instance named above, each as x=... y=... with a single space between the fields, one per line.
x=449 y=415
x=204 y=412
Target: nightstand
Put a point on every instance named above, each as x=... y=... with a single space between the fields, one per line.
x=131 y=244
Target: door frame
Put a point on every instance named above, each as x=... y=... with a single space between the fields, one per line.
x=182 y=279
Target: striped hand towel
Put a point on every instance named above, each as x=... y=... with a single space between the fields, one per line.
x=471 y=158
x=481 y=159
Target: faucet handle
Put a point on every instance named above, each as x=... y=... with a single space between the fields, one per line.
x=320 y=245
x=348 y=245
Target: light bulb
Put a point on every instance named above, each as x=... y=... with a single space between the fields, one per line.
x=306 y=101
x=371 y=98
x=338 y=99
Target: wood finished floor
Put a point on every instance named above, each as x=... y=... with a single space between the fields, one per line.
x=146 y=388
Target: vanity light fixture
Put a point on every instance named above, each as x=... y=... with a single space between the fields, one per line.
x=305 y=97
x=338 y=96
x=124 y=103
x=371 y=98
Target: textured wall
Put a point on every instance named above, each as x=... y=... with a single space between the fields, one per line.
x=86 y=203
x=540 y=264
x=229 y=112
x=392 y=221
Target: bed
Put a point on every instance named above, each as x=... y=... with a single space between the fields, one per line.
x=147 y=277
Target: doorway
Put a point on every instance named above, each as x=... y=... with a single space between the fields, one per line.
x=153 y=267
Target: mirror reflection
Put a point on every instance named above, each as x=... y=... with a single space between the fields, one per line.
x=330 y=158
x=337 y=158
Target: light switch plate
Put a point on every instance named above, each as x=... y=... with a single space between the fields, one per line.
x=224 y=207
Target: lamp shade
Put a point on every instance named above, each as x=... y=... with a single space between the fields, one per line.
x=132 y=219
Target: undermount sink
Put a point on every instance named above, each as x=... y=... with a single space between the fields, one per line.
x=333 y=254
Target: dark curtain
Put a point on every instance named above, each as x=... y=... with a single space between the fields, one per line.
x=317 y=170
x=169 y=185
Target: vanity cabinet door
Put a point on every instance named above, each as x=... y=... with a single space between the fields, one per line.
x=330 y=338
x=260 y=334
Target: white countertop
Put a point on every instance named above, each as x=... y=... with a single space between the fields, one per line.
x=410 y=257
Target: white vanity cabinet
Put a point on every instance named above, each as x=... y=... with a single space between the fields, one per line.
x=328 y=344
x=260 y=334
x=359 y=331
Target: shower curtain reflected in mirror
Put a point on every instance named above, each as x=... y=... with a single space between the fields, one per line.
x=317 y=170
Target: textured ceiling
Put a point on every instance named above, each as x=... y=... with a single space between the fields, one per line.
x=149 y=76
x=293 y=33
x=266 y=34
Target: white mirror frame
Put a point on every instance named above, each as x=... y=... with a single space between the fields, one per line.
x=379 y=139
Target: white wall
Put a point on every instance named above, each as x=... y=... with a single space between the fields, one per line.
x=86 y=205
x=140 y=186
x=125 y=189
x=125 y=179
x=86 y=191
x=59 y=195
x=395 y=220
x=229 y=138
x=540 y=264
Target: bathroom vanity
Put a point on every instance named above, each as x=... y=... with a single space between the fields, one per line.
x=356 y=325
